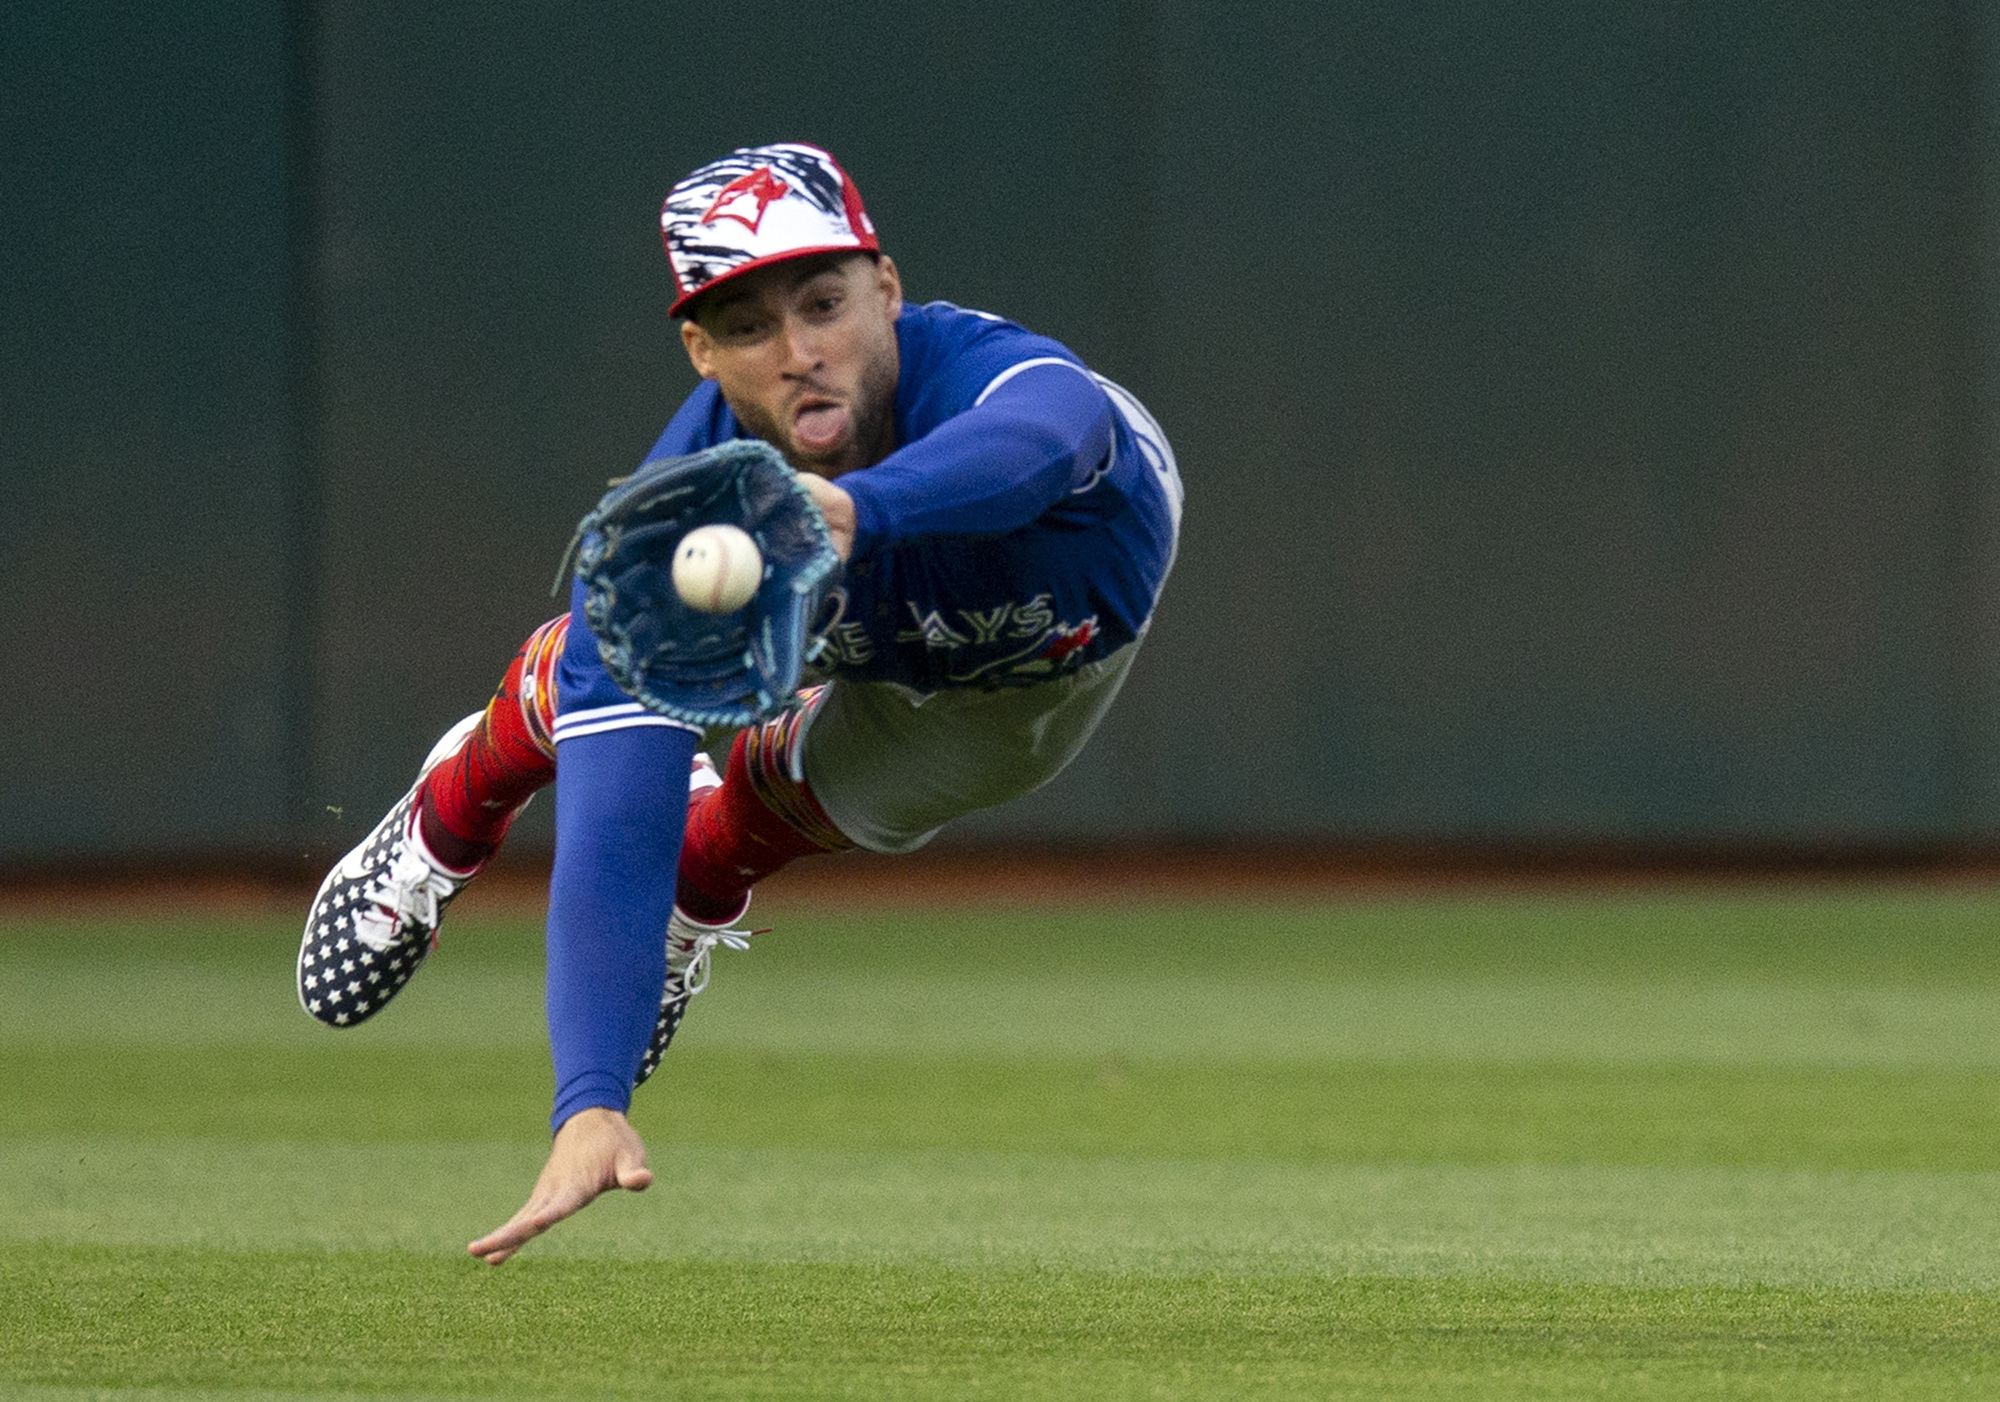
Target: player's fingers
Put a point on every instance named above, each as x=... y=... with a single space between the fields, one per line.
x=492 y=1249
x=547 y=1207
x=497 y=1246
x=531 y=1221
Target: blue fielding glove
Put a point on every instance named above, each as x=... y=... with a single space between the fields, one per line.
x=730 y=669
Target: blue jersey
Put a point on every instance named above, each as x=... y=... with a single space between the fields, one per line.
x=1021 y=528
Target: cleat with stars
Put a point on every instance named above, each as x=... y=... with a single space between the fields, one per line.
x=380 y=906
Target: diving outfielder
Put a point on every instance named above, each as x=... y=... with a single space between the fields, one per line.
x=1006 y=518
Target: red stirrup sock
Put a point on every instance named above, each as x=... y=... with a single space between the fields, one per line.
x=470 y=798
x=762 y=817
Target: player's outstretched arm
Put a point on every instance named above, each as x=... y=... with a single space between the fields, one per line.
x=621 y=804
x=595 y=1151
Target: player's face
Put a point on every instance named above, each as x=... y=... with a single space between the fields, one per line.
x=805 y=352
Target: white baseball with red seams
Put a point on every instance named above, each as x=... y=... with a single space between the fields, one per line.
x=717 y=568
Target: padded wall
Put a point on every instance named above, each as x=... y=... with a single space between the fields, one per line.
x=1585 y=413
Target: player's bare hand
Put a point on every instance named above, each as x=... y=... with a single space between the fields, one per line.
x=837 y=506
x=595 y=1151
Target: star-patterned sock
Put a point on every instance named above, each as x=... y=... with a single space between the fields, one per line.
x=470 y=798
x=762 y=817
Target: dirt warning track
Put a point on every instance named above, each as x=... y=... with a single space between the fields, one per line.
x=1044 y=876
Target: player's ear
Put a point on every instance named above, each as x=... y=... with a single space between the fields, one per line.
x=701 y=350
x=890 y=282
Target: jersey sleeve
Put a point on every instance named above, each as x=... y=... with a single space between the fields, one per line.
x=702 y=421
x=1040 y=431
x=621 y=806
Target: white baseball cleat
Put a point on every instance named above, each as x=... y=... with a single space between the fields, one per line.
x=690 y=945
x=376 y=916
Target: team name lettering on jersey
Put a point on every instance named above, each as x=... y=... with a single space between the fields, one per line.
x=1012 y=639
x=848 y=645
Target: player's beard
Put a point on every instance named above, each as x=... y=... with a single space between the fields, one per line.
x=875 y=408
x=871 y=415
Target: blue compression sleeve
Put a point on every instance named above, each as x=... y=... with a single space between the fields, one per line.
x=621 y=805
x=991 y=469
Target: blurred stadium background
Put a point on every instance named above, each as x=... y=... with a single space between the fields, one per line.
x=1588 y=413
x=1591 y=421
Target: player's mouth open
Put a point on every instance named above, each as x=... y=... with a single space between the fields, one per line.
x=819 y=424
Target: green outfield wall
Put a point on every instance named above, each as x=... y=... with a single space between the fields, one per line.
x=1587 y=413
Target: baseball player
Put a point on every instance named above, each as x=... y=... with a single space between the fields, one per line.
x=1006 y=518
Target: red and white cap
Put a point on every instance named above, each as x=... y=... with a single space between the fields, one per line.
x=759 y=205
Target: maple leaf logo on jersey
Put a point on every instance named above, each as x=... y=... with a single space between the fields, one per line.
x=1064 y=640
x=754 y=191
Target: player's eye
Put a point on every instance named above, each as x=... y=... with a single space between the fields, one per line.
x=743 y=329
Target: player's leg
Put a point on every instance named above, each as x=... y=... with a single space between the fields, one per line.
x=741 y=827
x=890 y=770
x=470 y=799
x=376 y=915
x=760 y=817
x=690 y=942
x=867 y=765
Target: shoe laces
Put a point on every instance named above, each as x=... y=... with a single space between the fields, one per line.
x=690 y=951
x=409 y=893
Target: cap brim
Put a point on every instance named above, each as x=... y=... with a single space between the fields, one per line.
x=868 y=246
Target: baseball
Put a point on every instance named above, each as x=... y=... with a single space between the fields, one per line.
x=717 y=568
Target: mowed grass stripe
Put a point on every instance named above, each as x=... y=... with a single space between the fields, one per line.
x=1608 y=1225
x=1547 y=988
x=771 y=1005
x=1348 y=1112
x=389 y=1322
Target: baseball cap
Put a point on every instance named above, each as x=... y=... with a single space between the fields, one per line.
x=756 y=206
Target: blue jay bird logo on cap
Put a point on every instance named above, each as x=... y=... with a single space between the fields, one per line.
x=759 y=187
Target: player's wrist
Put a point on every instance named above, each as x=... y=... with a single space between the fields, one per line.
x=836 y=504
x=593 y=1091
x=865 y=522
x=593 y=1124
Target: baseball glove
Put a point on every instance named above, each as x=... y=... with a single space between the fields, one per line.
x=705 y=669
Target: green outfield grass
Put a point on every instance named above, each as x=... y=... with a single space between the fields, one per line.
x=1682 y=1144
